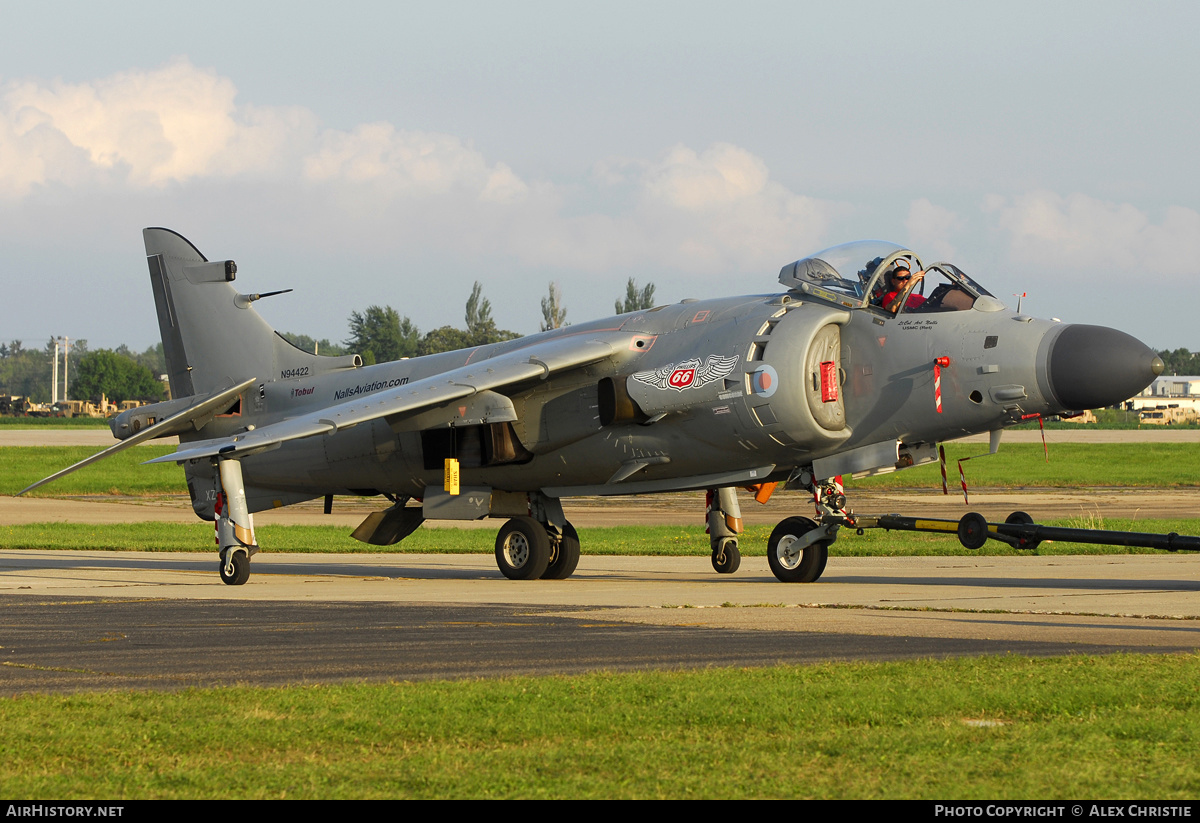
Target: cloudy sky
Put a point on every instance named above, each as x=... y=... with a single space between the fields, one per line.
x=394 y=153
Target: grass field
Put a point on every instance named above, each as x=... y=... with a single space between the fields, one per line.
x=991 y=728
x=119 y=474
x=1160 y=465
x=10 y=423
x=614 y=540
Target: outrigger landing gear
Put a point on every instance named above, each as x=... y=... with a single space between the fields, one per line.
x=234 y=567
x=234 y=524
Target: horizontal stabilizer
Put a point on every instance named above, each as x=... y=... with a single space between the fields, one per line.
x=175 y=424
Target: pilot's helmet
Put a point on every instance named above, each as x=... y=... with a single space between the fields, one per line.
x=869 y=271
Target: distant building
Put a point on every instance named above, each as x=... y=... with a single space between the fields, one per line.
x=1170 y=399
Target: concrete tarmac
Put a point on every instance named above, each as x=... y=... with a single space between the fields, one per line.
x=96 y=620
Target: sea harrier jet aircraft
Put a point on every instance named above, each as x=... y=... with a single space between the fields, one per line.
x=865 y=361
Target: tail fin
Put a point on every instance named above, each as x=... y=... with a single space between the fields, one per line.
x=212 y=337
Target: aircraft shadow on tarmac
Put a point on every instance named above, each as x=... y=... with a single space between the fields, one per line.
x=1085 y=583
x=434 y=570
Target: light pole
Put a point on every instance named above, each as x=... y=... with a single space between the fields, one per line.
x=66 y=349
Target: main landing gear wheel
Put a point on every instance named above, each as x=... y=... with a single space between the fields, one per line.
x=522 y=549
x=564 y=554
x=791 y=563
x=727 y=557
x=972 y=530
x=235 y=568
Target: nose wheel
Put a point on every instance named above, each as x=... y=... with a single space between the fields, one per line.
x=798 y=550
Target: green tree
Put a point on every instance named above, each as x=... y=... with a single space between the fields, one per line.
x=554 y=316
x=1180 y=361
x=379 y=334
x=25 y=372
x=322 y=347
x=152 y=358
x=636 y=300
x=446 y=338
x=481 y=328
x=479 y=312
x=104 y=372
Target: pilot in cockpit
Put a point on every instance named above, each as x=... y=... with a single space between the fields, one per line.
x=901 y=282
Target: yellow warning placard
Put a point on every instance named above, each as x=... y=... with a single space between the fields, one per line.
x=451 y=481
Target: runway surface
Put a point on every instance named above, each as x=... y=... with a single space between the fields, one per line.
x=101 y=620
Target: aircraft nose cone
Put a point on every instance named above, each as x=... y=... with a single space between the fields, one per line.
x=1093 y=366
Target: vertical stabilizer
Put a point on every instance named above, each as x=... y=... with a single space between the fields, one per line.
x=212 y=336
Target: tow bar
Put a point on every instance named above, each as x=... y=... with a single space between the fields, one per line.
x=1018 y=530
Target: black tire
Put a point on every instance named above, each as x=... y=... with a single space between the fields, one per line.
x=1023 y=519
x=972 y=530
x=565 y=556
x=728 y=557
x=241 y=570
x=522 y=549
x=790 y=566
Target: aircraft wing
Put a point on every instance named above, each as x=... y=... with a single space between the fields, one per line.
x=175 y=424
x=530 y=363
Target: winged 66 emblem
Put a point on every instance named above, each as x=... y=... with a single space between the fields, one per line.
x=690 y=374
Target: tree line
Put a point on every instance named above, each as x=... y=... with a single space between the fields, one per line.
x=119 y=374
x=1180 y=361
x=378 y=333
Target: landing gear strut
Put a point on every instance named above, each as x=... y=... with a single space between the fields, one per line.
x=234 y=524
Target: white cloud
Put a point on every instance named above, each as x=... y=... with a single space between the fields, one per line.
x=929 y=230
x=141 y=133
x=146 y=129
x=160 y=126
x=409 y=163
x=1082 y=233
x=721 y=176
x=718 y=210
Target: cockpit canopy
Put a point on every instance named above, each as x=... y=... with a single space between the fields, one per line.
x=856 y=275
